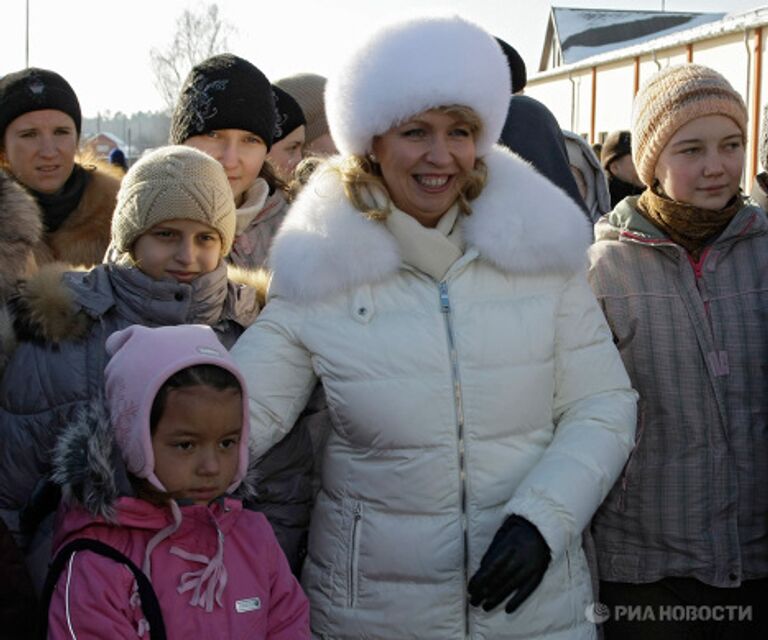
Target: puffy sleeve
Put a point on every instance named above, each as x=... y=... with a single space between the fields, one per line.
x=594 y=408
x=91 y=600
x=278 y=371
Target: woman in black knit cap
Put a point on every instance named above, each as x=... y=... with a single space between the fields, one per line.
x=40 y=124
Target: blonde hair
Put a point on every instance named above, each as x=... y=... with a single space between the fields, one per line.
x=361 y=177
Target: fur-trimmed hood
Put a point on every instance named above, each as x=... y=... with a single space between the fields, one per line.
x=47 y=308
x=521 y=223
x=88 y=466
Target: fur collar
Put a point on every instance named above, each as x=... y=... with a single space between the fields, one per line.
x=521 y=223
x=47 y=308
x=21 y=230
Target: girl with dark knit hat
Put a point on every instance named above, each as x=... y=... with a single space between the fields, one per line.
x=681 y=272
x=290 y=135
x=227 y=109
x=39 y=134
x=173 y=226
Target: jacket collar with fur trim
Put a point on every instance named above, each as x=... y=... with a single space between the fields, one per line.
x=521 y=223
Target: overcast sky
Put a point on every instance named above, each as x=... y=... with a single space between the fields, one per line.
x=102 y=46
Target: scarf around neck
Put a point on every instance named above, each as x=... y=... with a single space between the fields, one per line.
x=691 y=227
x=56 y=207
x=431 y=251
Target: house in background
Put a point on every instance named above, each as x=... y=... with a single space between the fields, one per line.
x=102 y=143
x=594 y=61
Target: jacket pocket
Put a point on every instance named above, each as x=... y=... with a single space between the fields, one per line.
x=629 y=467
x=354 y=554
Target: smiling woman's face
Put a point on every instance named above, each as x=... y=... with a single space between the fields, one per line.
x=424 y=163
x=39 y=148
x=702 y=162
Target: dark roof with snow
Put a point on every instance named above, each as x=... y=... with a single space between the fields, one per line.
x=576 y=34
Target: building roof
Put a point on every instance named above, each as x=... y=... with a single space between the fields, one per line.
x=728 y=23
x=582 y=33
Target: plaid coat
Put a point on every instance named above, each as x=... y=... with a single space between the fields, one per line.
x=693 y=498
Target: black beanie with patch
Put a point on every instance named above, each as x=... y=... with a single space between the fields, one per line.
x=224 y=92
x=36 y=89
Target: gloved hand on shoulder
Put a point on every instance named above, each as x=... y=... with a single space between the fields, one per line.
x=515 y=562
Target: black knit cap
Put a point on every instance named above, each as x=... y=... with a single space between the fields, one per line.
x=34 y=89
x=616 y=145
x=224 y=92
x=516 y=66
x=289 y=114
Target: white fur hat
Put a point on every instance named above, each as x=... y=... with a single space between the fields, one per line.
x=411 y=66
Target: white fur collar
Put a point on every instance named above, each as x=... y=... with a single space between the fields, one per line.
x=521 y=223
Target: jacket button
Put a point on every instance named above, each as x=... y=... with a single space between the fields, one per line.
x=178 y=296
x=733 y=577
x=362 y=311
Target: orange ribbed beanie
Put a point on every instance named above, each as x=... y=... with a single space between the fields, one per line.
x=671 y=98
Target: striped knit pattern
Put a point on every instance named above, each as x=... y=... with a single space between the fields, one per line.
x=693 y=497
x=671 y=98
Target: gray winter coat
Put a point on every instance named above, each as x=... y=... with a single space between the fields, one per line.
x=47 y=383
x=693 y=498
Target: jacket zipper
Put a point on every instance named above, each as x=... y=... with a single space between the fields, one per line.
x=445 y=307
x=353 y=554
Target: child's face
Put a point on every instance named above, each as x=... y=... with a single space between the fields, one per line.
x=179 y=249
x=196 y=442
x=702 y=162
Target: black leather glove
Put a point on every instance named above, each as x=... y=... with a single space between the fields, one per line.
x=515 y=561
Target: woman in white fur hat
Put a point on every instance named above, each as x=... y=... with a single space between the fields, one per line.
x=435 y=284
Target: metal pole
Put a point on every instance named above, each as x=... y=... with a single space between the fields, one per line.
x=26 y=44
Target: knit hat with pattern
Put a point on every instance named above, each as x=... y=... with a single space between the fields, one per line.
x=35 y=89
x=142 y=360
x=174 y=182
x=308 y=90
x=224 y=92
x=289 y=114
x=411 y=66
x=670 y=99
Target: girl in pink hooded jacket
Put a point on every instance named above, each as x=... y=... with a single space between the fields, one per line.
x=178 y=415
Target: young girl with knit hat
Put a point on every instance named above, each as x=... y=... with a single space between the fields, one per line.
x=177 y=412
x=172 y=228
x=681 y=272
x=227 y=109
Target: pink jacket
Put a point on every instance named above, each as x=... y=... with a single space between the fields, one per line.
x=259 y=596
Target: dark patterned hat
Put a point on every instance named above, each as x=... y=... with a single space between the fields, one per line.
x=289 y=114
x=224 y=92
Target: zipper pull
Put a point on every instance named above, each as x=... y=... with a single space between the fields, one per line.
x=445 y=306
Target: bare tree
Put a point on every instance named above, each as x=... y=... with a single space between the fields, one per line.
x=198 y=36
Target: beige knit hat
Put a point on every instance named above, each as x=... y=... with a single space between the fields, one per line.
x=173 y=182
x=670 y=99
x=308 y=90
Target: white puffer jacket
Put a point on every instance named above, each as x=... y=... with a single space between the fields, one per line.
x=454 y=403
